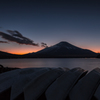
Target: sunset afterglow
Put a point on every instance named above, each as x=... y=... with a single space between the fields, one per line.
x=28 y=24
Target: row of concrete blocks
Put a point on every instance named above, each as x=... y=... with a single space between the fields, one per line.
x=50 y=84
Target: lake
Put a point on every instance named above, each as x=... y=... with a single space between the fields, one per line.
x=85 y=63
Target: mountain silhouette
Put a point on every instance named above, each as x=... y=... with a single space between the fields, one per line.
x=7 y=55
x=63 y=50
x=60 y=50
x=98 y=56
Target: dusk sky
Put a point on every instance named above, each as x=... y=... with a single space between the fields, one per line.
x=24 y=24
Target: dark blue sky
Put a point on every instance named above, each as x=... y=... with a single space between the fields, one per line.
x=51 y=21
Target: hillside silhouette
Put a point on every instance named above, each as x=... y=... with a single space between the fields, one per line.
x=61 y=50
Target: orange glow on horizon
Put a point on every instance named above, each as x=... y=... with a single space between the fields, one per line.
x=92 y=48
x=22 y=51
x=25 y=52
x=95 y=50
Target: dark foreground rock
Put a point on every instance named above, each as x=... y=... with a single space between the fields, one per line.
x=98 y=56
x=5 y=69
x=50 y=84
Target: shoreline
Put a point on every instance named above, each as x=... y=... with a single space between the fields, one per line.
x=6 y=69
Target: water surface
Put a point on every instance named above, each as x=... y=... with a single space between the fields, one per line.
x=85 y=63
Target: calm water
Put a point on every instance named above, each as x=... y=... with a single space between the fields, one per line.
x=85 y=63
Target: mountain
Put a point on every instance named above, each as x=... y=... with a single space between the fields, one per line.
x=7 y=55
x=98 y=56
x=60 y=50
x=29 y=55
x=64 y=50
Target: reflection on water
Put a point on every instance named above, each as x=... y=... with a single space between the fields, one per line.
x=85 y=63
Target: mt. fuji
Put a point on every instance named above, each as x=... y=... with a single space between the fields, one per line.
x=64 y=50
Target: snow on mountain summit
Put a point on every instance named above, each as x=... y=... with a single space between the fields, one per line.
x=64 y=49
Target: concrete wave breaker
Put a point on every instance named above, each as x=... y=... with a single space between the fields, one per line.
x=86 y=87
x=60 y=89
x=50 y=84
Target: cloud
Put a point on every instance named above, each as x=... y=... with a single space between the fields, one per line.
x=15 y=36
x=43 y=44
x=3 y=42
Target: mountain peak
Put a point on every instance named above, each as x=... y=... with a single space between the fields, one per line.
x=64 y=49
x=64 y=43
